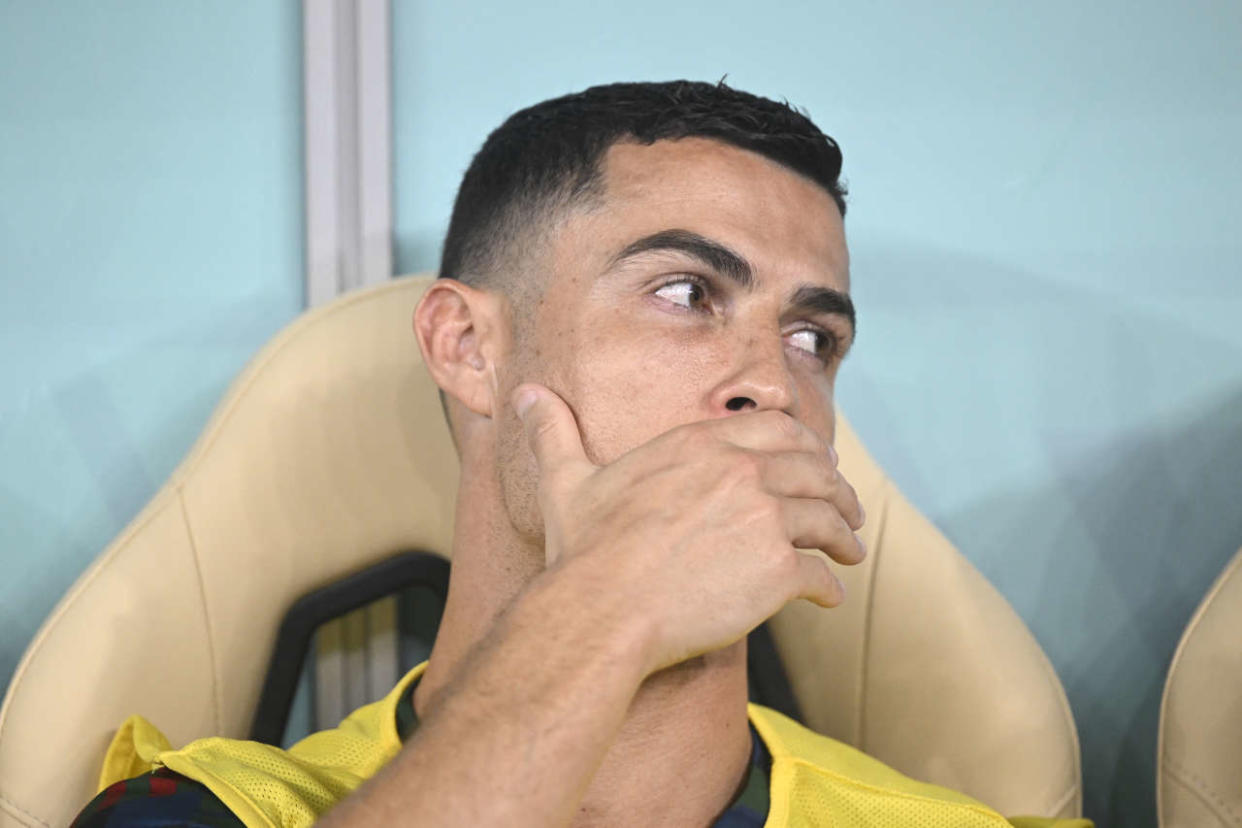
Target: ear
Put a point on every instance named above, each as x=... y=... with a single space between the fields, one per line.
x=461 y=332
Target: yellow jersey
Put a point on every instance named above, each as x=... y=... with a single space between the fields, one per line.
x=815 y=780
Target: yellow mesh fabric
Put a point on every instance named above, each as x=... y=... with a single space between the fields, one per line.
x=132 y=751
x=820 y=798
x=816 y=781
x=267 y=787
x=260 y=784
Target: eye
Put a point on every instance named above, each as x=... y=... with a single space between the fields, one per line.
x=816 y=343
x=688 y=293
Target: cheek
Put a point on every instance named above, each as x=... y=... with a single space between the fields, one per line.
x=630 y=386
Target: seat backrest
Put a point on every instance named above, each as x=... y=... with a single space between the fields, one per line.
x=1199 y=758
x=330 y=452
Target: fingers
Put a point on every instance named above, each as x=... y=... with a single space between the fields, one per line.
x=551 y=429
x=816 y=524
x=816 y=581
x=770 y=431
x=812 y=475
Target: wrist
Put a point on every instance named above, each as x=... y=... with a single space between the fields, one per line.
x=586 y=613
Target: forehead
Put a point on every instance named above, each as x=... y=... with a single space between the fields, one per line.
x=787 y=226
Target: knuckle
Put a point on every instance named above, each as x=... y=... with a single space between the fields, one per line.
x=853 y=502
x=789 y=561
x=845 y=484
x=827 y=470
x=776 y=421
x=841 y=527
x=778 y=559
x=825 y=445
x=767 y=513
x=795 y=571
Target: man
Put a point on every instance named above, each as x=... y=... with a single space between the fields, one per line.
x=644 y=306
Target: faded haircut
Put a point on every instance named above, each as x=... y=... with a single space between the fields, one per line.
x=547 y=158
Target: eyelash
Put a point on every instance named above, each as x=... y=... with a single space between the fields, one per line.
x=826 y=352
x=829 y=347
x=687 y=278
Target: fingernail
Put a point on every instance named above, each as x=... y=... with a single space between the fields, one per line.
x=862 y=513
x=523 y=400
x=832 y=455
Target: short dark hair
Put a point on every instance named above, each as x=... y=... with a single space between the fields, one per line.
x=547 y=157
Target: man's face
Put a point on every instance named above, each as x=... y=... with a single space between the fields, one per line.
x=709 y=282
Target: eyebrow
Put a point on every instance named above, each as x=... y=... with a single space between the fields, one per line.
x=713 y=254
x=816 y=299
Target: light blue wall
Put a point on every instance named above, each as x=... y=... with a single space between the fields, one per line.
x=1046 y=261
x=1045 y=258
x=150 y=242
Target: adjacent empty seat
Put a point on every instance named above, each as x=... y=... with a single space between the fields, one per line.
x=1199 y=768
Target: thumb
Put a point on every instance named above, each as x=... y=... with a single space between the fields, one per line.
x=550 y=427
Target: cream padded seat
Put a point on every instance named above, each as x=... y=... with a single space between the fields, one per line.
x=330 y=453
x=1199 y=768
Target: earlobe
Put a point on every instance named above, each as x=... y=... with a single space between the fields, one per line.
x=455 y=328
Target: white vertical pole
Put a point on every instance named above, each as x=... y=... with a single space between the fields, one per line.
x=374 y=200
x=320 y=91
x=347 y=98
x=347 y=80
x=374 y=118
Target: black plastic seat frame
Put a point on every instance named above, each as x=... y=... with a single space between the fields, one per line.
x=769 y=684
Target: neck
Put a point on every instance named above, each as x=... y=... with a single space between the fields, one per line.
x=683 y=748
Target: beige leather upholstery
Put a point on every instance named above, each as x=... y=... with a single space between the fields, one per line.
x=1199 y=771
x=330 y=452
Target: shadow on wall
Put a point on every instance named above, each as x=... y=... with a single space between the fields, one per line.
x=1153 y=519
x=1073 y=423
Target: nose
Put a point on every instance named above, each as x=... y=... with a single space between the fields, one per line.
x=759 y=379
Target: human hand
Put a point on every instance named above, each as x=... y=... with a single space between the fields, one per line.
x=697 y=533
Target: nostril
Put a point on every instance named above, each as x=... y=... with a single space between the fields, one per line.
x=740 y=404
